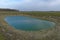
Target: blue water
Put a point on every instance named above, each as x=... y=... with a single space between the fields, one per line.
x=28 y=23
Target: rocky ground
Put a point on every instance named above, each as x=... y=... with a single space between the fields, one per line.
x=48 y=34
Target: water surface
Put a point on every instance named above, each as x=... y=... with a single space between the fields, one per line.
x=28 y=23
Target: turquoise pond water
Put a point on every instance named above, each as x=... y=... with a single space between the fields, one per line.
x=28 y=23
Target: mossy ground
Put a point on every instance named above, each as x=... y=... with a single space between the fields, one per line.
x=1 y=37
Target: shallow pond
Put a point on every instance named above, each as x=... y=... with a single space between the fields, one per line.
x=28 y=23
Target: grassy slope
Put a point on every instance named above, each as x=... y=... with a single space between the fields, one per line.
x=43 y=13
x=35 y=13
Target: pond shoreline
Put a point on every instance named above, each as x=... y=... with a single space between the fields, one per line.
x=26 y=35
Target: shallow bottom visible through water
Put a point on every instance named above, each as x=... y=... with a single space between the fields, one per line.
x=28 y=23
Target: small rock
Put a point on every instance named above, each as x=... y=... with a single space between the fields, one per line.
x=3 y=30
x=18 y=39
x=9 y=34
